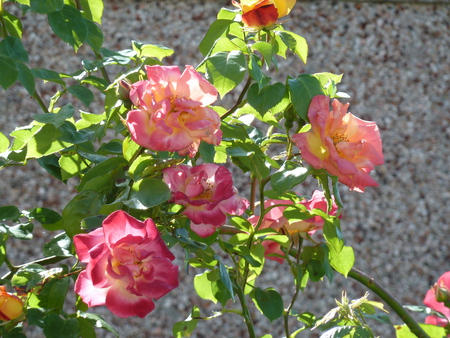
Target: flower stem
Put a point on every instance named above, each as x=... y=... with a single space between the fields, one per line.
x=239 y=100
x=381 y=292
x=245 y=311
x=40 y=102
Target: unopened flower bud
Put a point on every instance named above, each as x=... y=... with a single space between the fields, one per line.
x=123 y=91
x=11 y=306
x=441 y=292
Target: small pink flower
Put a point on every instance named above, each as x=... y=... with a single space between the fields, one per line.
x=341 y=143
x=207 y=193
x=128 y=266
x=443 y=284
x=172 y=112
x=274 y=219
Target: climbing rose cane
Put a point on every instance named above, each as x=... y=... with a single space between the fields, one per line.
x=341 y=143
x=258 y=14
x=207 y=193
x=11 y=306
x=435 y=299
x=128 y=265
x=172 y=112
x=274 y=219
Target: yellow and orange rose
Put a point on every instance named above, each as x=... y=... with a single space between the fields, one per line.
x=258 y=14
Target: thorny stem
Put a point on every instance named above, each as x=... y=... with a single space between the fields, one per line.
x=253 y=194
x=381 y=292
x=239 y=100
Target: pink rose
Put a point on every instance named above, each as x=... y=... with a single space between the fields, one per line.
x=128 y=265
x=434 y=300
x=207 y=193
x=341 y=143
x=274 y=219
x=172 y=112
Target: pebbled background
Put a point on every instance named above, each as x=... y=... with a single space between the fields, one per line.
x=396 y=64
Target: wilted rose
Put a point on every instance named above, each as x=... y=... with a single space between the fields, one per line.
x=207 y=193
x=128 y=266
x=275 y=219
x=172 y=112
x=11 y=306
x=432 y=300
x=341 y=143
x=258 y=14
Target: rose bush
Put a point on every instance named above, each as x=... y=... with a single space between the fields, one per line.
x=207 y=193
x=172 y=112
x=128 y=266
x=341 y=143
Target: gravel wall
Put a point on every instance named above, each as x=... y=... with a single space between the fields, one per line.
x=396 y=63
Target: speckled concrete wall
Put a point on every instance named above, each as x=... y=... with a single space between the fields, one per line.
x=396 y=64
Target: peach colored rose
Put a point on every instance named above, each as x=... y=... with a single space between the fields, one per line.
x=435 y=298
x=172 y=112
x=275 y=219
x=258 y=14
x=207 y=193
x=128 y=266
x=341 y=143
x=11 y=306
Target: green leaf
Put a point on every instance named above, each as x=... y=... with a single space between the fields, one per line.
x=266 y=49
x=207 y=152
x=302 y=90
x=97 y=321
x=13 y=47
x=9 y=73
x=71 y=135
x=208 y=286
x=71 y=165
x=13 y=24
x=100 y=169
x=19 y=231
x=46 y=6
x=226 y=70
x=27 y=277
x=296 y=43
x=4 y=143
x=50 y=163
x=337 y=332
x=256 y=73
x=403 y=331
x=53 y=295
x=46 y=142
x=267 y=98
x=69 y=25
x=26 y=78
x=49 y=219
x=225 y=277
x=187 y=326
x=82 y=93
x=95 y=35
x=343 y=261
x=269 y=303
x=58 y=118
x=150 y=50
x=86 y=203
x=288 y=176
x=47 y=75
x=60 y=245
x=10 y=212
x=56 y=327
x=147 y=193
x=98 y=83
x=217 y=29
x=93 y=10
